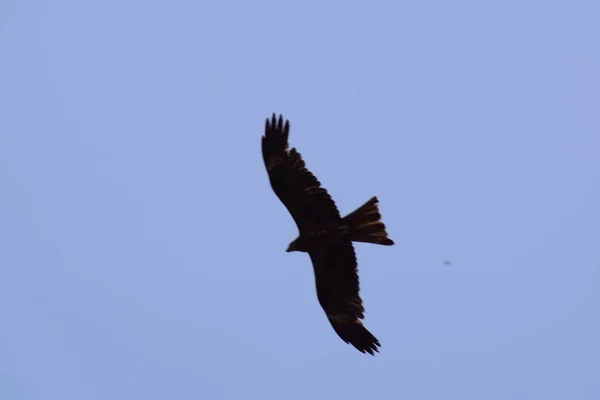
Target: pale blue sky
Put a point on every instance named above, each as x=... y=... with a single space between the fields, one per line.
x=142 y=250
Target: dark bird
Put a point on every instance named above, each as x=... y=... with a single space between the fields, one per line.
x=324 y=234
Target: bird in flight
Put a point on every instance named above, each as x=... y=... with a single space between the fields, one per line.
x=324 y=234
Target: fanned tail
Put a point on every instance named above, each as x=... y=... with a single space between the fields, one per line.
x=366 y=226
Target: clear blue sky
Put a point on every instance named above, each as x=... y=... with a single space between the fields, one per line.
x=142 y=250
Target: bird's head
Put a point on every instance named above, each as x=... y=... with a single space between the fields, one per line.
x=292 y=246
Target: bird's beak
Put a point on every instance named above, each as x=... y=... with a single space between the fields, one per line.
x=289 y=249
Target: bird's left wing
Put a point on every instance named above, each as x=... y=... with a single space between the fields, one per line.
x=297 y=188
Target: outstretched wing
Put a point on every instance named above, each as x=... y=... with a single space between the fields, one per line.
x=336 y=276
x=297 y=188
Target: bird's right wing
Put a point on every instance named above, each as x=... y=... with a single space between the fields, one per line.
x=336 y=276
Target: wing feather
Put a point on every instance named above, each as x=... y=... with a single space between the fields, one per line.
x=297 y=188
x=336 y=276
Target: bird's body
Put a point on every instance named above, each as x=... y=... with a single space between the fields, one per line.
x=324 y=234
x=321 y=237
